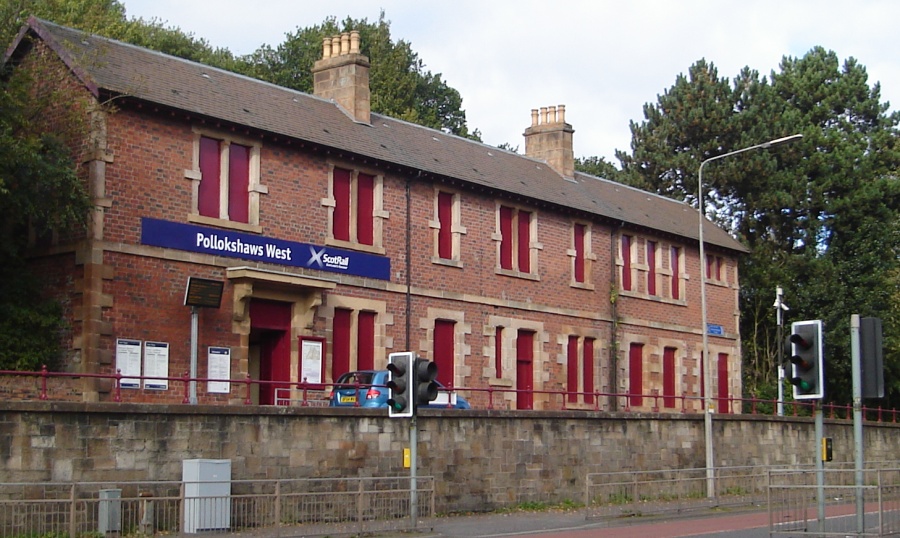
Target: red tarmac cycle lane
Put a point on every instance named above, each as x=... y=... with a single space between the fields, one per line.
x=674 y=529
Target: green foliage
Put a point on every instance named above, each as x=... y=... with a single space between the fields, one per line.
x=40 y=193
x=105 y=17
x=401 y=86
x=597 y=166
x=819 y=216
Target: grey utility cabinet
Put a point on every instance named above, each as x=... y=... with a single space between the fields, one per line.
x=207 y=494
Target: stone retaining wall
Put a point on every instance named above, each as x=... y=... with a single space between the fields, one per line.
x=481 y=460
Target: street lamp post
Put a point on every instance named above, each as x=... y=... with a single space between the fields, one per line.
x=707 y=372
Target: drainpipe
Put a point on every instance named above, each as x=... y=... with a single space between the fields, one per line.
x=408 y=346
x=614 y=326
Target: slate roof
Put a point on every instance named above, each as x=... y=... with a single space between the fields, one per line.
x=109 y=67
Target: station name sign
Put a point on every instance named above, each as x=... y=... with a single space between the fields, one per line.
x=193 y=238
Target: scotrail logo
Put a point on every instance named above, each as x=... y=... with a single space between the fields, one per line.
x=322 y=260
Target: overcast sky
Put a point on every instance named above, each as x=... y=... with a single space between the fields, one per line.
x=603 y=59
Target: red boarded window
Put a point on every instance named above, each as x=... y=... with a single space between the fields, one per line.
x=341 y=215
x=636 y=373
x=506 y=241
x=445 y=219
x=238 y=183
x=579 y=232
x=626 y=262
x=498 y=352
x=651 y=267
x=515 y=239
x=524 y=220
x=444 y=350
x=588 y=368
x=210 y=172
x=714 y=267
x=669 y=377
x=572 y=368
x=365 y=209
x=365 y=341
x=340 y=343
x=675 y=264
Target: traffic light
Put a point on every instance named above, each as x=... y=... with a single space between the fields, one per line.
x=871 y=357
x=426 y=388
x=400 y=366
x=807 y=360
x=827 y=449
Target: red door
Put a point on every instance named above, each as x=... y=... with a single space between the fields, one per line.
x=722 y=369
x=525 y=370
x=270 y=323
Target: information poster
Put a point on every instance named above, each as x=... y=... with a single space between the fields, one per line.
x=156 y=364
x=311 y=352
x=128 y=362
x=219 y=367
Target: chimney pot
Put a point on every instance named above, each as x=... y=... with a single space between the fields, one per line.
x=549 y=139
x=342 y=75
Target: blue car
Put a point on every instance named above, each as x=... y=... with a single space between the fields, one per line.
x=369 y=388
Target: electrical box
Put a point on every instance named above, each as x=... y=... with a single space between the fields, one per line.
x=207 y=494
x=109 y=511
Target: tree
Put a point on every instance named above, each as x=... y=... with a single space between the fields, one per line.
x=103 y=17
x=400 y=84
x=597 y=166
x=819 y=217
x=40 y=194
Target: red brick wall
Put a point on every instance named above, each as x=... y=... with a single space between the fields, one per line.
x=147 y=179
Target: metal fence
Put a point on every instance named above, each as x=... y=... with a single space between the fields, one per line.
x=797 y=506
x=791 y=496
x=65 y=386
x=641 y=493
x=271 y=507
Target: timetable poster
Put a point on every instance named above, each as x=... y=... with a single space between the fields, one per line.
x=311 y=364
x=219 y=367
x=128 y=362
x=156 y=365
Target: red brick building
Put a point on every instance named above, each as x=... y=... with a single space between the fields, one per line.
x=339 y=236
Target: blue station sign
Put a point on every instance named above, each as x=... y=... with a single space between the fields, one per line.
x=193 y=238
x=714 y=330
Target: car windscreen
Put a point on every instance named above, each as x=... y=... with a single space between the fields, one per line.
x=351 y=379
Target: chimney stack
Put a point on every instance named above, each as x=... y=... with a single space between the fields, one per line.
x=343 y=75
x=550 y=139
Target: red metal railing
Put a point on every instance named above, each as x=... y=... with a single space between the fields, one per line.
x=61 y=386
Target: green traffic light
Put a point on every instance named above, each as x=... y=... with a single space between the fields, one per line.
x=802 y=384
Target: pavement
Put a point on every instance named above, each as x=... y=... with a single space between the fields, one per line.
x=574 y=524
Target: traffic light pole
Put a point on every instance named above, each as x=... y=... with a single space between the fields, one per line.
x=856 y=369
x=413 y=459
x=820 y=464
